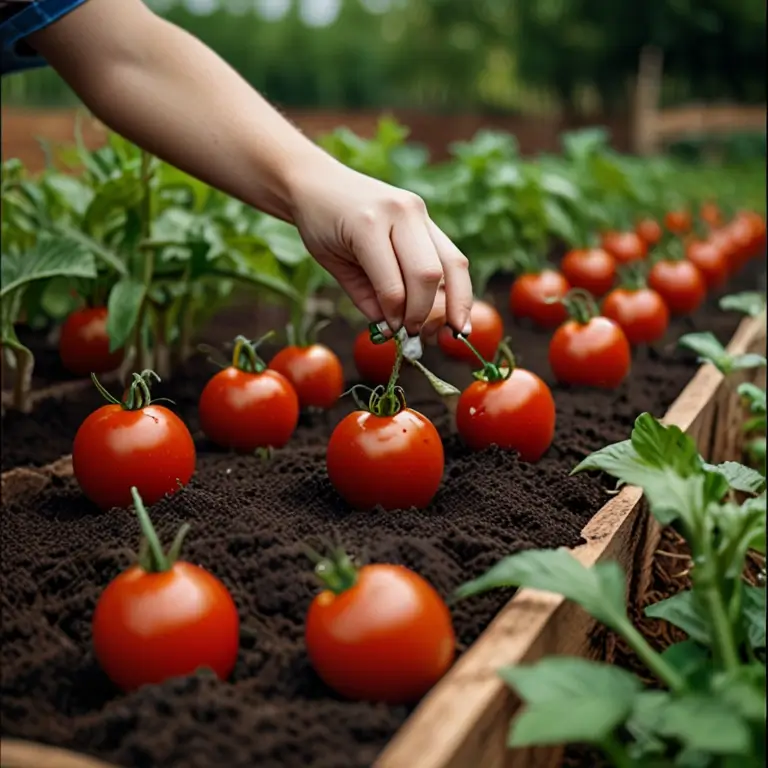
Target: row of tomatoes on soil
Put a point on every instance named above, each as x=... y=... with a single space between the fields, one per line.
x=165 y=617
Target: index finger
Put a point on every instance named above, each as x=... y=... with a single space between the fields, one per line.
x=458 y=284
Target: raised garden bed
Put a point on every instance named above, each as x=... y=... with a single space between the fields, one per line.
x=250 y=519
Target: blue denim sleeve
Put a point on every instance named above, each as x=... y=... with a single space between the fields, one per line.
x=33 y=16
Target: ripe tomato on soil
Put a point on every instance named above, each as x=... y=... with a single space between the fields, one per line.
x=84 y=343
x=641 y=313
x=589 y=350
x=515 y=411
x=678 y=222
x=650 y=231
x=315 y=372
x=487 y=333
x=247 y=406
x=380 y=633
x=529 y=295
x=394 y=461
x=132 y=443
x=592 y=269
x=625 y=247
x=711 y=260
x=679 y=283
x=164 y=618
x=374 y=362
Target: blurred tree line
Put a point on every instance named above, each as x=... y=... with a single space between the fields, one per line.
x=491 y=55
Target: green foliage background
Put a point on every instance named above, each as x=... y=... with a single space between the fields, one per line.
x=507 y=55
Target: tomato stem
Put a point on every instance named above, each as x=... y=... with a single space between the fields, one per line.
x=336 y=572
x=580 y=304
x=632 y=276
x=245 y=356
x=491 y=372
x=156 y=561
x=389 y=400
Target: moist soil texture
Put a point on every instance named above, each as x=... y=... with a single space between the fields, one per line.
x=251 y=519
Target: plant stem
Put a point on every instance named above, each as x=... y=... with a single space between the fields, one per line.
x=721 y=628
x=616 y=752
x=22 y=383
x=142 y=353
x=162 y=352
x=155 y=548
x=652 y=660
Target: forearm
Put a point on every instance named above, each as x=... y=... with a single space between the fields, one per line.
x=163 y=89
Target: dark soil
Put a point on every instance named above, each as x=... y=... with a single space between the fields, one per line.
x=250 y=519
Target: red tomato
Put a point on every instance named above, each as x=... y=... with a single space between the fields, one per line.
x=487 y=333
x=374 y=362
x=625 y=247
x=649 y=231
x=384 y=635
x=642 y=314
x=84 y=344
x=516 y=413
x=679 y=283
x=164 y=619
x=146 y=446
x=393 y=461
x=592 y=269
x=711 y=260
x=711 y=214
x=315 y=372
x=246 y=411
x=593 y=354
x=529 y=294
x=678 y=222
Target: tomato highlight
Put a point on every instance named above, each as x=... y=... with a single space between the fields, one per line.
x=163 y=617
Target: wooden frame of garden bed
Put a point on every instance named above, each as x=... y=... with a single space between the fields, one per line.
x=464 y=721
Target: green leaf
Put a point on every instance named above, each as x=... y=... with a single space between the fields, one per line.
x=751 y=303
x=662 y=446
x=123 y=308
x=707 y=347
x=114 y=195
x=740 y=478
x=698 y=721
x=747 y=362
x=600 y=590
x=100 y=251
x=569 y=700
x=51 y=257
x=753 y=613
x=754 y=396
x=688 y=657
x=683 y=611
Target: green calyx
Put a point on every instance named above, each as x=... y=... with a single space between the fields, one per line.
x=502 y=366
x=336 y=572
x=632 y=276
x=138 y=395
x=152 y=558
x=580 y=305
x=245 y=356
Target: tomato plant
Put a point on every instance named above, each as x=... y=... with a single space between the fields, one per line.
x=592 y=269
x=639 y=310
x=84 y=343
x=625 y=247
x=711 y=260
x=650 y=231
x=132 y=442
x=588 y=350
x=385 y=454
x=247 y=406
x=678 y=222
x=679 y=282
x=506 y=406
x=378 y=633
x=487 y=333
x=374 y=362
x=163 y=617
x=533 y=295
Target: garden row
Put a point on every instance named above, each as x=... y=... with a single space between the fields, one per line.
x=447 y=497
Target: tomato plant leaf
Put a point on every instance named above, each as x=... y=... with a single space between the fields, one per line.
x=747 y=362
x=50 y=257
x=689 y=658
x=751 y=303
x=123 y=309
x=698 y=721
x=753 y=613
x=740 y=478
x=600 y=590
x=682 y=610
x=753 y=396
x=664 y=446
x=569 y=700
x=115 y=194
x=707 y=347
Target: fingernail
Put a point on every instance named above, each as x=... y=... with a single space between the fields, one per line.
x=467 y=329
x=396 y=325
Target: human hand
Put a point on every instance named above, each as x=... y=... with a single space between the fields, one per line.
x=379 y=243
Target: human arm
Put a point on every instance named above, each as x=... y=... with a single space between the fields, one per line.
x=166 y=91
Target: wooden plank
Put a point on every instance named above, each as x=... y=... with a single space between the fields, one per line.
x=463 y=722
